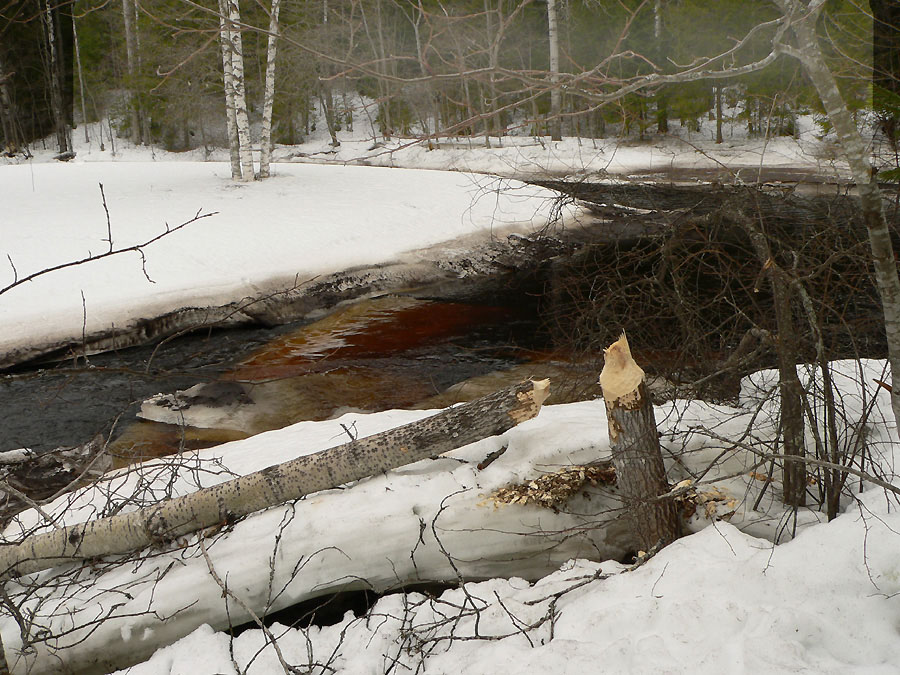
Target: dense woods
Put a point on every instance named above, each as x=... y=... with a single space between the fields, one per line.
x=414 y=68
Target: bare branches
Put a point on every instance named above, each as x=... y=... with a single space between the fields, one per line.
x=109 y=238
x=135 y=248
x=228 y=593
x=750 y=447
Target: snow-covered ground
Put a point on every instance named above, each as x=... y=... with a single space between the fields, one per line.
x=722 y=599
x=523 y=156
x=259 y=238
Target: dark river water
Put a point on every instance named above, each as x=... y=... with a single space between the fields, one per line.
x=403 y=350
x=389 y=352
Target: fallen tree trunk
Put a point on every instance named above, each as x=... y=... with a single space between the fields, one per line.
x=164 y=522
x=634 y=442
x=428 y=522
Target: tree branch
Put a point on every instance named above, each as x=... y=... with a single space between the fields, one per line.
x=136 y=248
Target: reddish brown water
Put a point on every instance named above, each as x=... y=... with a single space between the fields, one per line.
x=389 y=352
x=374 y=329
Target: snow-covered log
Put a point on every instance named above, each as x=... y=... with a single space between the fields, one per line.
x=431 y=521
x=163 y=523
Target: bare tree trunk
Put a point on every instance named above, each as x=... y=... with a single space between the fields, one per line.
x=662 y=104
x=235 y=50
x=241 y=117
x=146 y=138
x=423 y=68
x=789 y=386
x=719 y=138
x=853 y=147
x=8 y=121
x=323 y=85
x=450 y=429
x=494 y=39
x=384 y=101
x=791 y=394
x=54 y=78
x=128 y=19
x=84 y=121
x=265 y=136
x=634 y=441
x=228 y=81
x=555 y=98
x=326 y=99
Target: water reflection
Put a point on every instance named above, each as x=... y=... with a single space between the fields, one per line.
x=387 y=352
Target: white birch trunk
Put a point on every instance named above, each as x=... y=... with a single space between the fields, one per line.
x=265 y=136
x=142 y=114
x=242 y=119
x=165 y=522
x=228 y=82
x=87 y=137
x=555 y=97
x=855 y=151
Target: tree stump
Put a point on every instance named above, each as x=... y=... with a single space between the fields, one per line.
x=634 y=441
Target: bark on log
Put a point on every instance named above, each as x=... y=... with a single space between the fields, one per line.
x=450 y=429
x=633 y=439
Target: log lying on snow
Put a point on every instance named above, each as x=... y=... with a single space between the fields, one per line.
x=162 y=523
x=427 y=522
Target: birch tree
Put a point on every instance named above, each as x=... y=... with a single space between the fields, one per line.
x=234 y=147
x=80 y=72
x=54 y=68
x=128 y=19
x=265 y=136
x=233 y=75
x=807 y=49
x=662 y=112
x=555 y=96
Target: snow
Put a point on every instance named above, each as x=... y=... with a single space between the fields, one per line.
x=721 y=595
x=521 y=155
x=722 y=598
x=718 y=599
x=262 y=237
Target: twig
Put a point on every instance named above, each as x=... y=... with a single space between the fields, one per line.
x=10 y=490
x=288 y=669
x=136 y=248
x=108 y=224
x=487 y=461
x=13 y=265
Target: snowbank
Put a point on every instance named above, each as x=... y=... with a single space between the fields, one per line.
x=720 y=596
x=263 y=237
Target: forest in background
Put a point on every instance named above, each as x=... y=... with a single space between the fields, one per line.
x=154 y=68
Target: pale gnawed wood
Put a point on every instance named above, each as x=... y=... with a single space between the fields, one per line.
x=450 y=429
x=634 y=442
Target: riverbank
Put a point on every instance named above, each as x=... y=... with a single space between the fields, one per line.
x=312 y=233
